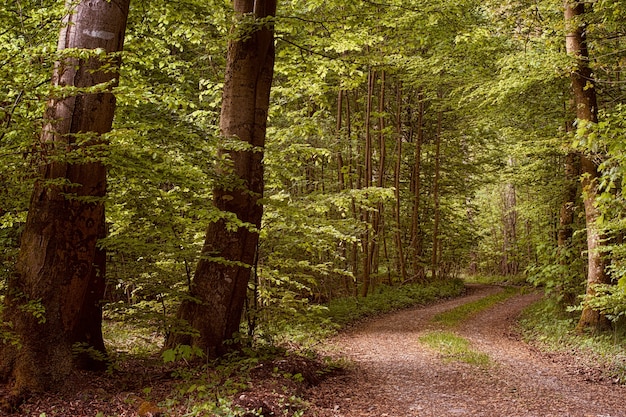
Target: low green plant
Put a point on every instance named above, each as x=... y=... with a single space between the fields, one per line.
x=518 y=279
x=453 y=347
x=185 y=353
x=455 y=316
x=549 y=326
x=348 y=310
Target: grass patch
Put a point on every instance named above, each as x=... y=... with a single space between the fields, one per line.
x=453 y=347
x=123 y=338
x=455 y=316
x=551 y=329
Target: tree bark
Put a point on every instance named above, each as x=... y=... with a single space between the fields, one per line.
x=220 y=282
x=61 y=270
x=418 y=270
x=365 y=214
x=437 y=214
x=396 y=183
x=586 y=111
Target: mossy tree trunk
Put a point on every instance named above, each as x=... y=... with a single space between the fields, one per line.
x=219 y=287
x=53 y=300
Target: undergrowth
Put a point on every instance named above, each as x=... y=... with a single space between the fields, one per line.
x=519 y=279
x=345 y=311
x=548 y=326
x=307 y=329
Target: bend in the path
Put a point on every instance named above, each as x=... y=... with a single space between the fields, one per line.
x=393 y=375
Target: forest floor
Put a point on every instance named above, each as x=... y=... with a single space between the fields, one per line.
x=395 y=375
x=390 y=372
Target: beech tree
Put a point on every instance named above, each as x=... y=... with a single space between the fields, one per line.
x=53 y=301
x=219 y=286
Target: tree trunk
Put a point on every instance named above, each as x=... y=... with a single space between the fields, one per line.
x=415 y=238
x=340 y=166
x=220 y=282
x=570 y=192
x=365 y=214
x=396 y=183
x=508 y=263
x=437 y=214
x=586 y=111
x=60 y=271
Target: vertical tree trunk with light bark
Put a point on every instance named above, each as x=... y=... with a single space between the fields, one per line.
x=220 y=282
x=60 y=269
x=586 y=111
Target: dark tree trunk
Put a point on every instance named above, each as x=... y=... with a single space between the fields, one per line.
x=401 y=265
x=60 y=269
x=586 y=111
x=437 y=214
x=220 y=283
x=416 y=249
x=367 y=238
x=570 y=194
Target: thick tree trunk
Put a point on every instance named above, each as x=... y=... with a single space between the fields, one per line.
x=220 y=283
x=586 y=111
x=60 y=270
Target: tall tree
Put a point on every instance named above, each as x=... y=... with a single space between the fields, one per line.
x=53 y=299
x=219 y=286
x=586 y=112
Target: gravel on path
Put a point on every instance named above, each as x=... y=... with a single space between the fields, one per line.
x=393 y=374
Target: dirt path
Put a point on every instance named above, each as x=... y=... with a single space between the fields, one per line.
x=394 y=375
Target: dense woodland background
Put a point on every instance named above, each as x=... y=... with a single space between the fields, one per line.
x=407 y=142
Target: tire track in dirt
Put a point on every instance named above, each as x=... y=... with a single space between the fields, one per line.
x=394 y=375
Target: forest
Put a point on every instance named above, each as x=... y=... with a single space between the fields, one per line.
x=197 y=183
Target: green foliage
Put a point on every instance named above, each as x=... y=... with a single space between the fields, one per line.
x=184 y=353
x=348 y=310
x=547 y=325
x=490 y=79
x=27 y=45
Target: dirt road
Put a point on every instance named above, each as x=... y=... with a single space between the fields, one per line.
x=394 y=375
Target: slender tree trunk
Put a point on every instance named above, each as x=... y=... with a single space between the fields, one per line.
x=220 y=283
x=396 y=183
x=378 y=215
x=570 y=192
x=565 y=233
x=437 y=214
x=61 y=270
x=365 y=215
x=586 y=111
x=340 y=168
x=508 y=263
x=415 y=238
